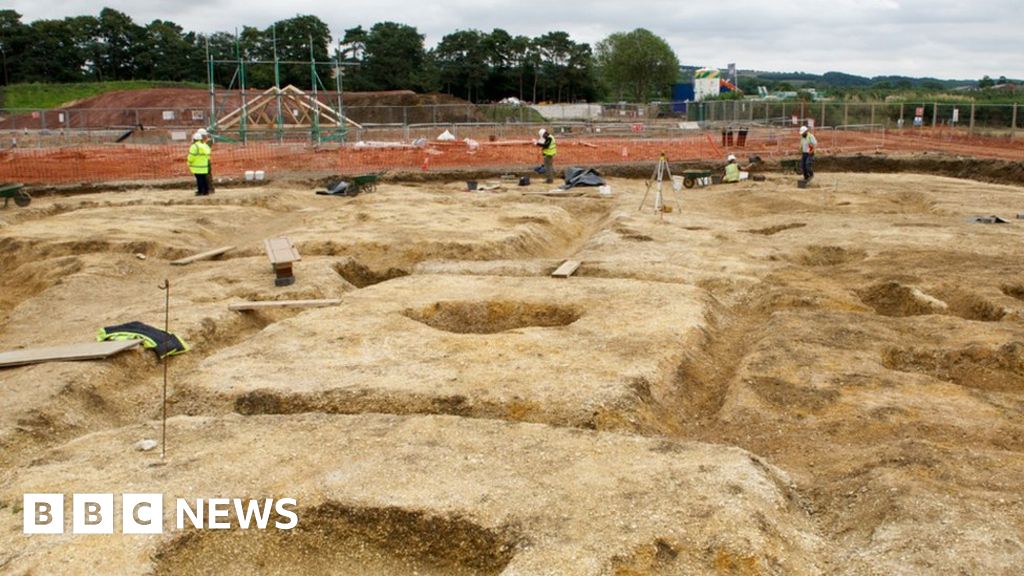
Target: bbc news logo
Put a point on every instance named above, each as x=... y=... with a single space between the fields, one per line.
x=144 y=514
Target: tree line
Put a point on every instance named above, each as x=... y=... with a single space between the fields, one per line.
x=475 y=65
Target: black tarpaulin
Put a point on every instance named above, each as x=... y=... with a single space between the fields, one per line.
x=575 y=176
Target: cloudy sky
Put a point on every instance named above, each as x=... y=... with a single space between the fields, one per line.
x=940 y=38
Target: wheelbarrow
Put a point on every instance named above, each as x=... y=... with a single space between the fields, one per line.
x=690 y=177
x=365 y=183
x=790 y=166
x=21 y=198
x=357 y=185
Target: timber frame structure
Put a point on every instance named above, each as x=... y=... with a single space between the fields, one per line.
x=276 y=112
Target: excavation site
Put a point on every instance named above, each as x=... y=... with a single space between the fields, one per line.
x=462 y=373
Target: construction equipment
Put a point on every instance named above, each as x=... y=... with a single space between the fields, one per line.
x=690 y=177
x=358 y=185
x=9 y=191
x=661 y=170
x=790 y=166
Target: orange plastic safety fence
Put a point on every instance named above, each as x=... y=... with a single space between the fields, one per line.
x=110 y=163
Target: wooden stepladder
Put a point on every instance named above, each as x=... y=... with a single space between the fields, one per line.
x=282 y=255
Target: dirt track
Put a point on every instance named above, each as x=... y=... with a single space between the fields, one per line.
x=765 y=381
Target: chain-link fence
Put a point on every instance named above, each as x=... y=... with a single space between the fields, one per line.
x=41 y=128
x=989 y=119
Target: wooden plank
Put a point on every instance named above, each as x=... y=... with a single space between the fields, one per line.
x=566 y=269
x=556 y=193
x=256 y=305
x=202 y=256
x=67 y=352
x=281 y=250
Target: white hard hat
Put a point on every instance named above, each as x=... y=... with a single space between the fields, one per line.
x=202 y=132
x=541 y=132
x=803 y=129
x=731 y=158
x=197 y=136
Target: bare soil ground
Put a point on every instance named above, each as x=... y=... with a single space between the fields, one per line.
x=766 y=380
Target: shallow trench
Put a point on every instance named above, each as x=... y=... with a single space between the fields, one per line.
x=336 y=539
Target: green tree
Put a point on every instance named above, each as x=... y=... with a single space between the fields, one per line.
x=555 y=50
x=637 y=65
x=985 y=82
x=122 y=41
x=14 y=37
x=167 y=54
x=499 y=56
x=300 y=39
x=461 y=60
x=393 y=58
x=53 y=53
x=351 y=50
x=580 y=73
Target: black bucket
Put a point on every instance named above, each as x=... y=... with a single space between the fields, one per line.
x=524 y=181
x=470 y=184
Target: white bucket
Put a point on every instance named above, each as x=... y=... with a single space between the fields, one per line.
x=249 y=175
x=677 y=183
x=604 y=190
x=258 y=175
x=705 y=181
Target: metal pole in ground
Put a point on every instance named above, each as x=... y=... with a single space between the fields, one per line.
x=277 y=88
x=1013 y=123
x=209 y=76
x=166 y=287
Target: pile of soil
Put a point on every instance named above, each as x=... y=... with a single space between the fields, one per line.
x=126 y=108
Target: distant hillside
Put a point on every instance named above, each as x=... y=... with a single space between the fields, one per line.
x=839 y=80
x=843 y=80
x=46 y=96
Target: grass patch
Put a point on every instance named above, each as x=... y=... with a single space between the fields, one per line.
x=44 y=96
x=507 y=112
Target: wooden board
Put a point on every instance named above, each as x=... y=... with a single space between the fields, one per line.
x=83 y=351
x=202 y=256
x=283 y=304
x=281 y=250
x=556 y=193
x=566 y=269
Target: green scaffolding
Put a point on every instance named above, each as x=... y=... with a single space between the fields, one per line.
x=326 y=121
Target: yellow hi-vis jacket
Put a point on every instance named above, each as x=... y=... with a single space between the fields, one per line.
x=548 y=147
x=199 y=158
x=732 y=172
x=807 y=143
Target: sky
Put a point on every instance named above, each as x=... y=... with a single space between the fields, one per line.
x=938 y=38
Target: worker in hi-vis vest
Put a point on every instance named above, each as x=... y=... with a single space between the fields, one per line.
x=199 y=163
x=807 y=145
x=548 y=149
x=732 y=170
